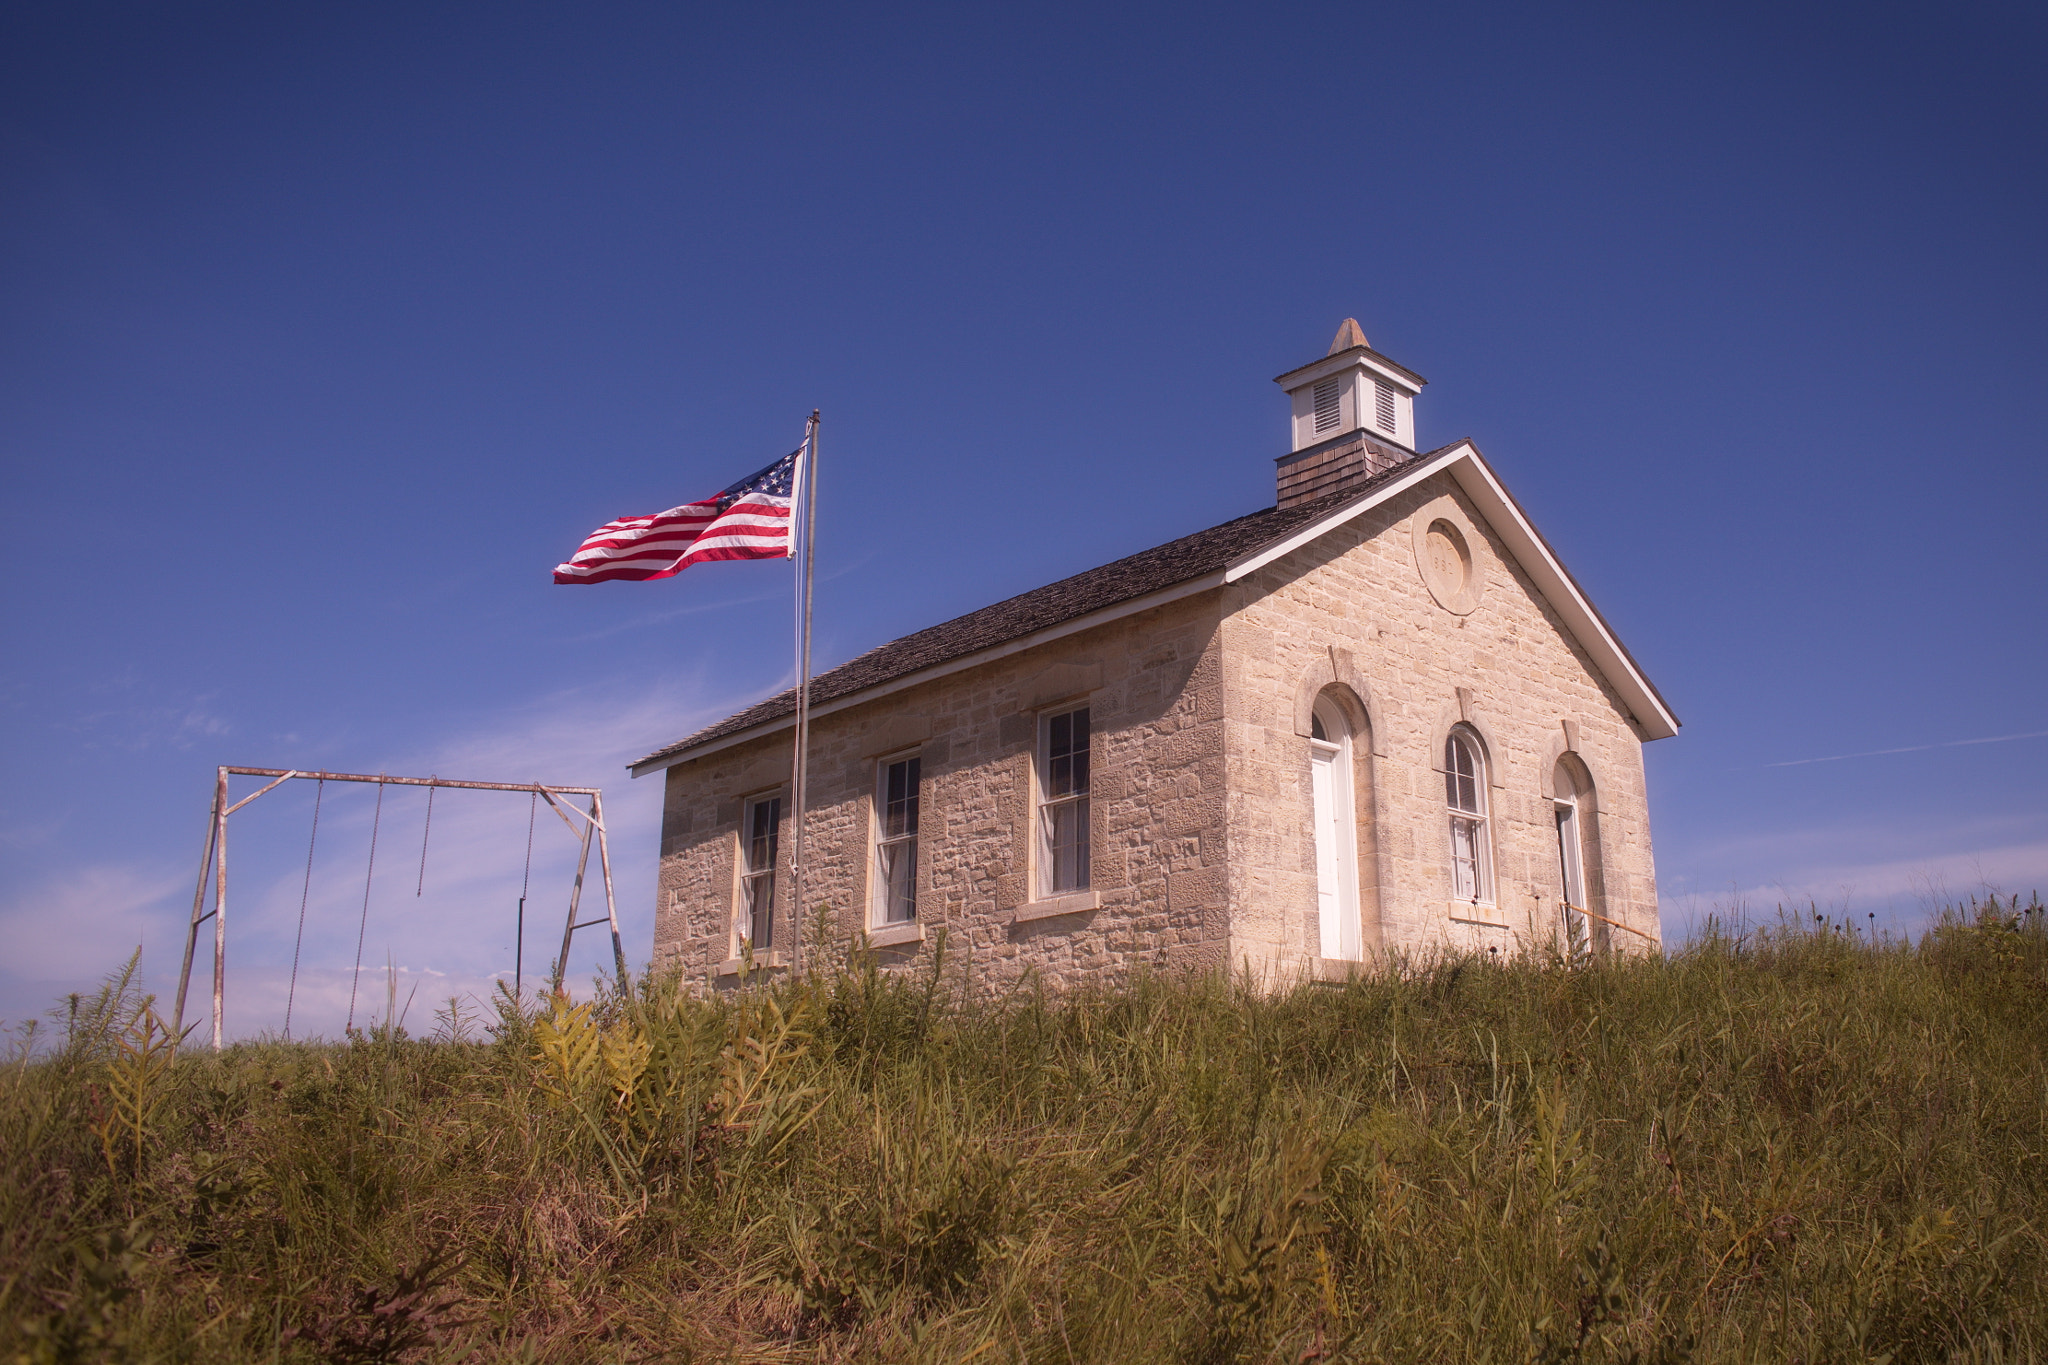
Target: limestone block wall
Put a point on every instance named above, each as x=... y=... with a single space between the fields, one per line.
x=1153 y=685
x=1366 y=606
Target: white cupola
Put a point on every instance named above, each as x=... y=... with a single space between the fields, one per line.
x=1354 y=415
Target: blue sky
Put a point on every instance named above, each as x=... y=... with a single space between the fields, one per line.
x=326 y=331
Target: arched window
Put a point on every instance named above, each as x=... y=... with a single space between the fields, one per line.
x=1465 y=795
x=1336 y=831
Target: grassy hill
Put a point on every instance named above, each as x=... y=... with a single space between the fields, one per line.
x=1799 y=1144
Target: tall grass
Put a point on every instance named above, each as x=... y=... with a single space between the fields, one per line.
x=1801 y=1144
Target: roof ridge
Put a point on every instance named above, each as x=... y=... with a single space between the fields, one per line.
x=1065 y=599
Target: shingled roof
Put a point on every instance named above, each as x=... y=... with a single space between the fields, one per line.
x=1134 y=576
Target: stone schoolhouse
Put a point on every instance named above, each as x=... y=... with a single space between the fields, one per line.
x=1377 y=715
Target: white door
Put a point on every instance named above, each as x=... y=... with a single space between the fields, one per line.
x=1336 y=841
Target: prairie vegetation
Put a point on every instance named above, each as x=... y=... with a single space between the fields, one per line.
x=1796 y=1144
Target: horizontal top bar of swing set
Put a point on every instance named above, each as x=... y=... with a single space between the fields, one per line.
x=415 y=781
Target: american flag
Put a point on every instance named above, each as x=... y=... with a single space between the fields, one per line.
x=750 y=520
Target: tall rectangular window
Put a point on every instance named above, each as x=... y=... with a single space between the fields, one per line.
x=1571 y=864
x=896 y=798
x=1063 y=805
x=758 y=837
x=1465 y=795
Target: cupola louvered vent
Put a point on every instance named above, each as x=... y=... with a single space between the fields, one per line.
x=1329 y=406
x=1351 y=419
x=1383 y=406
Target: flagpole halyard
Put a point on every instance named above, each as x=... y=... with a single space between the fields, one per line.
x=804 y=513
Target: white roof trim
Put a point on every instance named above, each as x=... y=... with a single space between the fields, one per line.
x=1348 y=360
x=1351 y=355
x=1002 y=651
x=1478 y=481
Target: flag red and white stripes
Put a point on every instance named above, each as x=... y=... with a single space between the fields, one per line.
x=750 y=520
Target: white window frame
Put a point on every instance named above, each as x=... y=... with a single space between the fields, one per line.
x=889 y=847
x=1571 y=860
x=1050 y=804
x=1469 y=823
x=757 y=881
x=1571 y=851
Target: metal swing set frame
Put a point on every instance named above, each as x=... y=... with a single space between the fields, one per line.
x=213 y=865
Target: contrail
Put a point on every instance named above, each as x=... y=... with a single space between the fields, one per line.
x=1911 y=749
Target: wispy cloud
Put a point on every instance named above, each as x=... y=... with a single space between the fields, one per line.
x=1911 y=749
x=133 y=715
x=133 y=729
x=1822 y=868
x=779 y=594
x=73 y=928
x=30 y=834
x=694 y=609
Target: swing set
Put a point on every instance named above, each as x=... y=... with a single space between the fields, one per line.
x=214 y=865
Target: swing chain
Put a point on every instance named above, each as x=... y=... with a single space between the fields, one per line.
x=519 y=922
x=291 y=994
x=376 y=820
x=425 y=834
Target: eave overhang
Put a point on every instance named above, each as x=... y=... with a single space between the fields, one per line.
x=780 y=724
x=1344 y=360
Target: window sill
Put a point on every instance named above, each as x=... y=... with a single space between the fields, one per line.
x=1492 y=916
x=763 y=962
x=890 y=935
x=1336 y=970
x=1075 y=903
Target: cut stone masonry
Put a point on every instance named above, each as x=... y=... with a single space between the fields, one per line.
x=1201 y=663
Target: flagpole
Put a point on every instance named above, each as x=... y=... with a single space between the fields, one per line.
x=807 y=510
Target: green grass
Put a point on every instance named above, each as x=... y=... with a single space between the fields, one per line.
x=1798 y=1145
